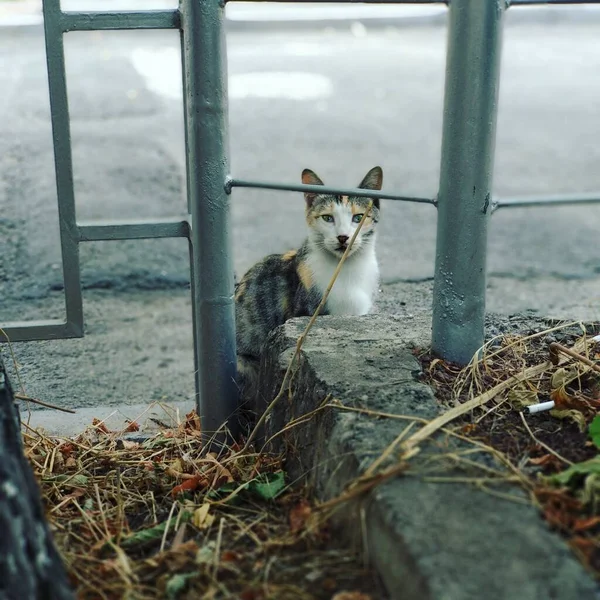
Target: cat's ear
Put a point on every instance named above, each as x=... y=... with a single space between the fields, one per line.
x=373 y=180
x=310 y=178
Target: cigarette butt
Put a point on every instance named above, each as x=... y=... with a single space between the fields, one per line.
x=536 y=408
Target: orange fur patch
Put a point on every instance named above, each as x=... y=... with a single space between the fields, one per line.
x=305 y=275
x=289 y=255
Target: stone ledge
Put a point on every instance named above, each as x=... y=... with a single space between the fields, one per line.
x=438 y=541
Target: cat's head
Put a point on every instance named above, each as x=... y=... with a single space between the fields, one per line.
x=332 y=219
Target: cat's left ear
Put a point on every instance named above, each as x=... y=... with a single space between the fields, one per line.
x=310 y=178
x=373 y=180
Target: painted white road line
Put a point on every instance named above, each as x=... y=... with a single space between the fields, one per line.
x=161 y=70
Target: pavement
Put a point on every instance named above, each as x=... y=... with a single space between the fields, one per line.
x=337 y=99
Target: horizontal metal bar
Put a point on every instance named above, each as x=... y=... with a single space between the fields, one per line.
x=147 y=19
x=542 y=2
x=349 y=1
x=26 y=331
x=529 y=201
x=94 y=231
x=322 y=189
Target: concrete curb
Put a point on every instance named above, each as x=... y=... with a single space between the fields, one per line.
x=59 y=424
x=429 y=541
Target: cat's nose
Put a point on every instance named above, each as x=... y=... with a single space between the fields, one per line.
x=342 y=239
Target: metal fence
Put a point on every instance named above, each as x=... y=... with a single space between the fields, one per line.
x=464 y=200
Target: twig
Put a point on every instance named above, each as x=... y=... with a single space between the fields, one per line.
x=362 y=486
x=555 y=348
x=14 y=359
x=42 y=403
x=301 y=339
x=462 y=409
x=167 y=526
x=537 y=441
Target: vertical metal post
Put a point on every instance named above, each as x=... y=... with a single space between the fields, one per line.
x=204 y=60
x=464 y=200
x=61 y=134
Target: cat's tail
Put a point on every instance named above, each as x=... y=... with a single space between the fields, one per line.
x=247 y=380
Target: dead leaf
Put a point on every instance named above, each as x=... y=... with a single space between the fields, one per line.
x=201 y=519
x=468 y=428
x=521 y=396
x=252 y=594
x=299 y=516
x=560 y=378
x=546 y=460
x=130 y=445
x=133 y=426
x=66 y=449
x=584 y=524
x=192 y=422
x=351 y=596
x=99 y=425
x=571 y=415
x=189 y=485
x=561 y=397
x=230 y=556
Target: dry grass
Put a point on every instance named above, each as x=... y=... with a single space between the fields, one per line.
x=165 y=518
x=510 y=374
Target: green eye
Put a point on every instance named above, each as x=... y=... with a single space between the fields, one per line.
x=357 y=218
x=327 y=218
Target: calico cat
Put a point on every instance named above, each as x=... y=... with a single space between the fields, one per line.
x=282 y=286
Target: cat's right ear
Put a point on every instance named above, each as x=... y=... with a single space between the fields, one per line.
x=310 y=178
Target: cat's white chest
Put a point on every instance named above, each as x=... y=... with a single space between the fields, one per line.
x=355 y=286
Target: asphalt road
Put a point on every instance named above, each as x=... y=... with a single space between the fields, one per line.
x=337 y=100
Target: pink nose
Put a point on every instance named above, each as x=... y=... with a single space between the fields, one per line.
x=342 y=239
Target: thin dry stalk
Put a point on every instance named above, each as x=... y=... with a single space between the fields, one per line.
x=556 y=348
x=539 y=442
x=26 y=398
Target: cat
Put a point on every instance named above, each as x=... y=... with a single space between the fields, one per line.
x=282 y=286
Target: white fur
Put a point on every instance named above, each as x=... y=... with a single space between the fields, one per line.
x=355 y=286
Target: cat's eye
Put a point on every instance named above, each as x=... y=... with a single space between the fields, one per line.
x=327 y=218
x=357 y=218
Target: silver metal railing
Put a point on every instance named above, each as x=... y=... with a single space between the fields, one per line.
x=464 y=200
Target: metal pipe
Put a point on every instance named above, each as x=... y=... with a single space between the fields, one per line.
x=204 y=59
x=63 y=164
x=362 y=1
x=535 y=201
x=321 y=189
x=555 y=2
x=27 y=331
x=95 y=231
x=96 y=21
x=464 y=200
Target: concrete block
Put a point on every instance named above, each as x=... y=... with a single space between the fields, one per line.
x=438 y=541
